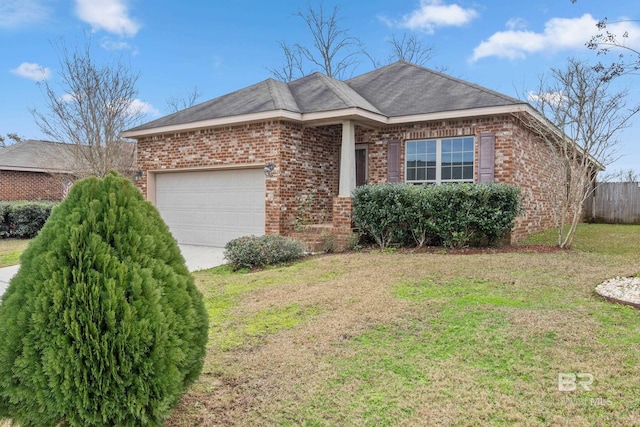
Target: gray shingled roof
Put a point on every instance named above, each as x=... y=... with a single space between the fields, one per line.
x=399 y=89
x=403 y=89
x=317 y=92
x=38 y=156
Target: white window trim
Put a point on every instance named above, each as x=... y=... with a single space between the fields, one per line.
x=438 y=179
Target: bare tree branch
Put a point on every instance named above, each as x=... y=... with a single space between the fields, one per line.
x=582 y=118
x=95 y=106
x=624 y=175
x=13 y=138
x=605 y=42
x=176 y=104
x=292 y=68
x=334 y=52
x=409 y=48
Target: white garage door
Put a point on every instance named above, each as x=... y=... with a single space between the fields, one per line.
x=209 y=208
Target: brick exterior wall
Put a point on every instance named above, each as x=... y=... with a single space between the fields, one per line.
x=306 y=164
x=520 y=159
x=307 y=161
x=32 y=186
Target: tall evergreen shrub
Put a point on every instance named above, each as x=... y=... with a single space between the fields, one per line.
x=102 y=325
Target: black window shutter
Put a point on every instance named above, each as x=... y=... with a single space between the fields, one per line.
x=486 y=157
x=393 y=160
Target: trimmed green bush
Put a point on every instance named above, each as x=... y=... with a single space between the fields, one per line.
x=22 y=219
x=102 y=325
x=380 y=211
x=258 y=251
x=454 y=215
x=4 y=219
x=27 y=218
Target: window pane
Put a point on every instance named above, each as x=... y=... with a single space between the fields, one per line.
x=411 y=147
x=468 y=144
x=431 y=157
x=446 y=159
x=446 y=146
x=467 y=173
x=411 y=174
x=420 y=174
x=421 y=147
x=411 y=164
x=457 y=159
x=468 y=157
x=431 y=174
x=456 y=172
x=446 y=173
x=457 y=144
x=431 y=146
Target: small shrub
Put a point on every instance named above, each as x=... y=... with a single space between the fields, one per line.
x=102 y=325
x=353 y=242
x=4 y=219
x=258 y=251
x=380 y=211
x=27 y=218
x=328 y=242
x=23 y=220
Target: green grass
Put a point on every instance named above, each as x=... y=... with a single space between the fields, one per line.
x=596 y=238
x=228 y=331
x=387 y=339
x=10 y=251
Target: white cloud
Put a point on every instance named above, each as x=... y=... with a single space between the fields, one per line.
x=109 y=44
x=17 y=13
x=68 y=97
x=552 y=98
x=516 y=24
x=108 y=15
x=137 y=106
x=32 y=71
x=435 y=13
x=558 y=34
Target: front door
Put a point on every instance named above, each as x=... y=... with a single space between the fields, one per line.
x=361 y=166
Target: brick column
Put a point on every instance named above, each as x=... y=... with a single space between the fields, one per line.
x=342 y=213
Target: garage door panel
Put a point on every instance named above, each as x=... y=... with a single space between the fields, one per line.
x=212 y=207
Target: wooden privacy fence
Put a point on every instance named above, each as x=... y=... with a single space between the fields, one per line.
x=614 y=203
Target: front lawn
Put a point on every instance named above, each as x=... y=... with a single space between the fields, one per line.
x=10 y=250
x=424 y=339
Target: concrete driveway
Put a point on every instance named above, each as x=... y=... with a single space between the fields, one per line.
x=202 y=257
x=196 y=257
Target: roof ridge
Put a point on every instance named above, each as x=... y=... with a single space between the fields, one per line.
x=339 y=86
x=337 y=90
x=275 y=91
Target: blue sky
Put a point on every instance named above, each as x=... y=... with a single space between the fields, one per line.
x=222 y=46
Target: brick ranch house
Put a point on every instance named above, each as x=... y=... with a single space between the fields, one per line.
x=35 y=170
x=317 y=138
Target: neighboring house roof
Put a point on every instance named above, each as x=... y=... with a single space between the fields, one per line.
x=398 y=93
x=57 y=157
x=38 y=156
